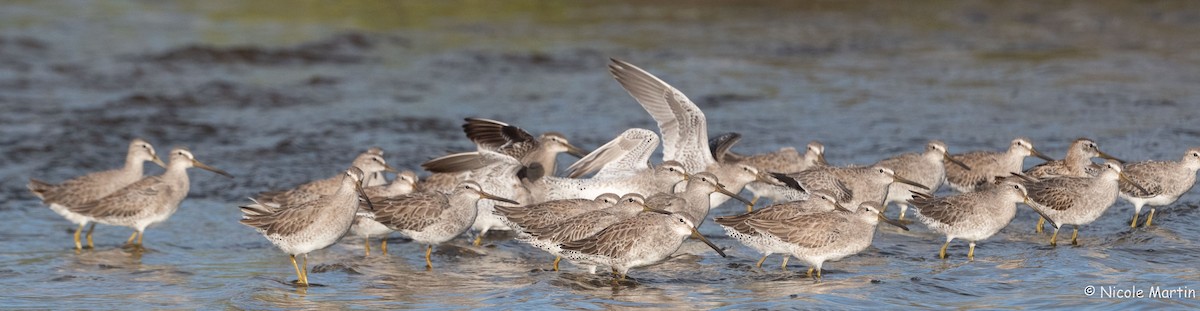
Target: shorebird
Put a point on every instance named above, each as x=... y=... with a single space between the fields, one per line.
x=365 y=225
x=377 y=178
x=583 y=225
x=927 y=169
x=683 y=127
x=308 y=226
x=369 y=162
x=148 y=201
x=433 y=218
x=93 y=186
x=818 y=237
x=642 y=240
x=1069 y=200
x=1166 y=180
x=699 y=189
x=625 y=155
x=986 y=166
x=736 y=227
x=661 y=178
x=1077 y=163
x=785 y=161
x=549 y=213
x=503 y=138
x=973 y=216
x=853 y=185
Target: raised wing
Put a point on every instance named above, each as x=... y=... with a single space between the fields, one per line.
x=683 y=126
x=628 y=153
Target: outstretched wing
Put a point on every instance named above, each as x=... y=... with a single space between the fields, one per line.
x=683 y=126
x=630 y=152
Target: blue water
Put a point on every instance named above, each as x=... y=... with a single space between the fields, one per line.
x=278 y=98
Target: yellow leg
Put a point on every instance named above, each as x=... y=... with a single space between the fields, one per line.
x=299 y=276
x=367 y=245
x=901 y=215
x=971 y=253
x=1133 y=224
x=1053 y=238
x=785 y=259
x=304 y=269
x=383 y=245
x=1041 y=221
x=131 y=236
x=1075 y=236
x=77 y=231
x=428 y=252
x=140 y=235
x=479 y=239
x=1150 y=218
x=810 y=272
x=760 y=261
x=89 y=235
x=556 y=260
x=942 y=253
x=818 y=274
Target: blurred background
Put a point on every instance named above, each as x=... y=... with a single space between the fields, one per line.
x=282 y=92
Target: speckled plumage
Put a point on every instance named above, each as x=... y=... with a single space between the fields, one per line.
x=1076 y=163
x=364 y=224
x=93 y=186
x=737 y=228
x=1069 y=200
x=986 y=165
x=1165 y=180
x=549 y=213
x=433 y=218
x=927 y=169
x=973 y=216
x=583 y=225
x=369 y=162
x=818 y=237
x=661 y=178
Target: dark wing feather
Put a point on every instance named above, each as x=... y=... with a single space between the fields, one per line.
x=720 y=145
x=284 y=221
x=823 y=179
x=940 y=209
x=810 y=230
x=454 y=163
x=128 y=201
x=1056 y=193
x=613 y=241
x=575 y=228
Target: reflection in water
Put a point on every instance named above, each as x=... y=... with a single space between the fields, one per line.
x=281 y=96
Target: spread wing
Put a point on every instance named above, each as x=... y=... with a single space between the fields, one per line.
x=630 y=152
x=810 y=231
x=454 y=163
x=150 y=192
x=413 y=211
x=683 y=126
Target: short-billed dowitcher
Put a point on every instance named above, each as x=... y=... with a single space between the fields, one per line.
x=736 y=227
x=503 y=138
x=699 y=189
x=986 y=166
x=927 y=168
x=311 y=225
x=433 y=218
x=365 y=225
x=853 y=185
x=642 y=240
x=1077 y=163
x=973 y=216
x=93 y=186
x=148 y=201
x=1069 y=200
x=1166 y=180
x=369 y=162
x=583 y=225
x=818 y=237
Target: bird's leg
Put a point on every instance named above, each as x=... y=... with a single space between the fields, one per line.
x=810 y=272
x=785 y=260
x=1053 y=238
x=131 y=236
x=479 y=238
x=428 y=252
x=383 y=245
x=1041 y=221
x=1133 y=224
x=77 y=231
x=971 y=253
x=556 y=260
x=299 y=276
x=140 y=234
x=1149 y=218
x=760 y=261
x=903 y=209
x=1075 y=236
x=89 y=235
x=942 y=253
x=304 y=269
x=367 y=245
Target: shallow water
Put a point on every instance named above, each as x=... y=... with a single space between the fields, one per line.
x=279 y=98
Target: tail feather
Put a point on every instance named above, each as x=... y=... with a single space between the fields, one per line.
x=39 y=188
